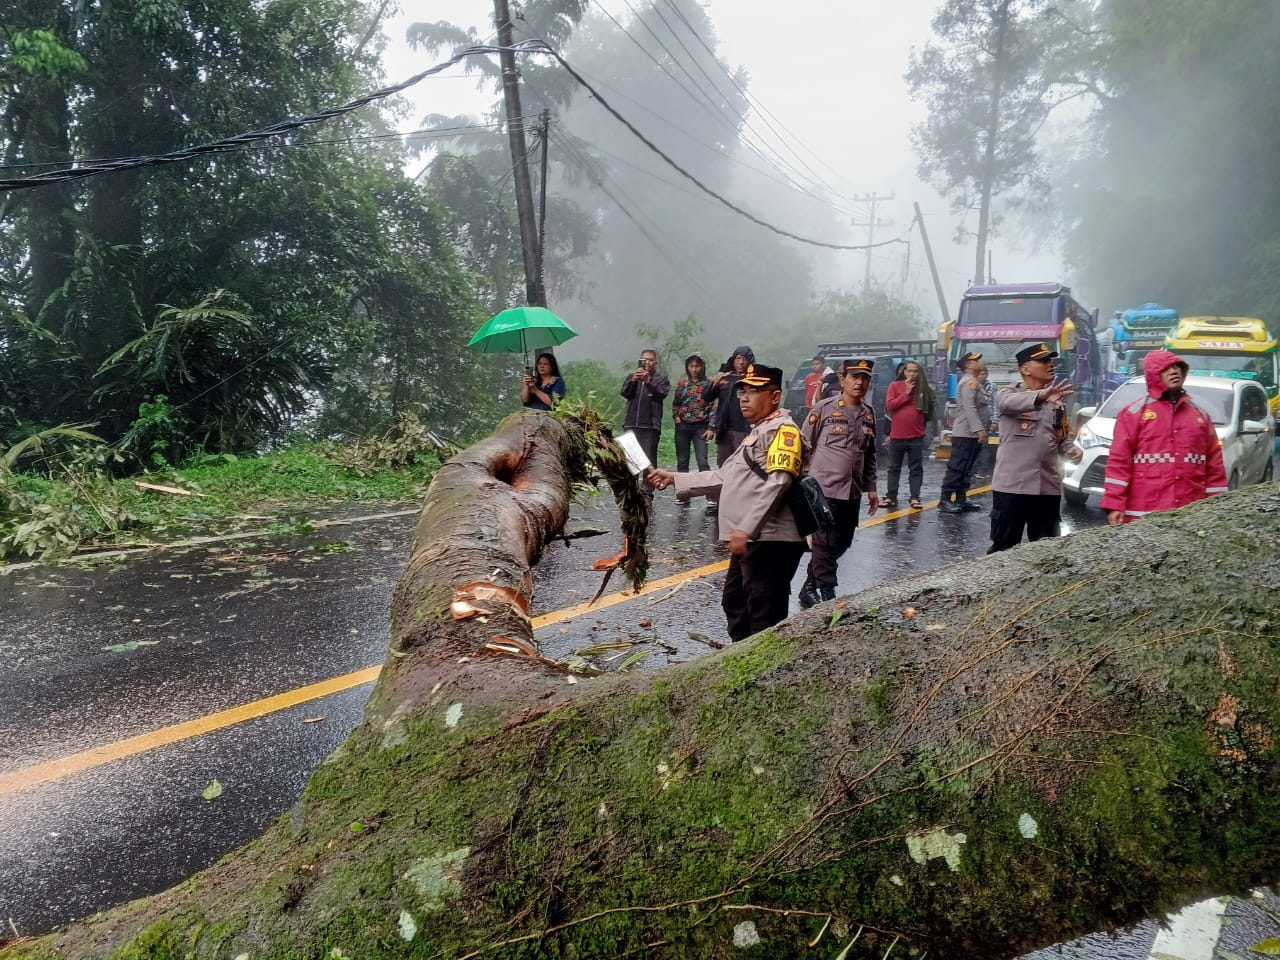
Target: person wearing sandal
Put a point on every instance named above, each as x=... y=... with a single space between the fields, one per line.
x=910 y=404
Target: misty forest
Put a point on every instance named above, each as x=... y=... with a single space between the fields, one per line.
x=164 y=306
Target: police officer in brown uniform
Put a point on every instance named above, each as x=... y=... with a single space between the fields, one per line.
x=968 y=437
x=1033 y=435
x=840 y=432
x=755 y=519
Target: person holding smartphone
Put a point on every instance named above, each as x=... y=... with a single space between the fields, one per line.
x=543 y=391
x=644 y=389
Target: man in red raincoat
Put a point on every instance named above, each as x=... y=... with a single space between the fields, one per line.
x=1165 y=453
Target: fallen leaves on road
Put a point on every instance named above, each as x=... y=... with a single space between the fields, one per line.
x=213 y=791
x=130 y=645
x=314 y=719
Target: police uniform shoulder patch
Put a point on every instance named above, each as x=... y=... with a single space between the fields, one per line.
x=784 y=451
x=973 y=384
x=813 y=418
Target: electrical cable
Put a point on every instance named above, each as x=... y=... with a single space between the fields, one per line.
x=232 y=143
x=766 y=114
x=545 y=47
x=715 y=86
x=597 y=178
x=794 y=178
x=781 y=179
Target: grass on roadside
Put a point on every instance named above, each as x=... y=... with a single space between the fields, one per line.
x=229 y=493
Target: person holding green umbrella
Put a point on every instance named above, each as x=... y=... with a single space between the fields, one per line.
x=543 y=390
x=520 y=330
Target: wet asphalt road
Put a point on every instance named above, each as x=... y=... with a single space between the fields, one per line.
x=93 y=654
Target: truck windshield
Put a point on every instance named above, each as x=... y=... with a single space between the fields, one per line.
x=1019 y=310
x=1246 y=366
x=999 y=353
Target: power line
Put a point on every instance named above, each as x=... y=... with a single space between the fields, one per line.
x=233 y=143
x=781 y=179
x=598 y=178
x=545 y=47
x=766 y=115
x=794 y=178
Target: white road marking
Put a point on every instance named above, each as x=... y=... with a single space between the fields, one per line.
x=1192 y=933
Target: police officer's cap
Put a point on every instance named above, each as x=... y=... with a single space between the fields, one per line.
x=861 y=367
x=960 y=364
x=758 y=375
x=1038 y=351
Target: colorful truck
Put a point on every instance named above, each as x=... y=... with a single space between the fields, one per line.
x=998 y=321
x=1239 y=347
x=1131 y=335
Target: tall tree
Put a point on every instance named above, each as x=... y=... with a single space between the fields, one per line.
x=988 y=96
x=1174 y=197
x=318 y=240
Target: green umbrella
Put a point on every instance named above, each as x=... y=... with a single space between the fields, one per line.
x=520 y=330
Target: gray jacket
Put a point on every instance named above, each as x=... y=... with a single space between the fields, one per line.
x=749 y=502
x=1031 y=443
x=843 y=443
x=971 y=408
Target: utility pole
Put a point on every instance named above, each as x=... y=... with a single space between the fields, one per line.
x=544 y=135
x=519 y=151
x=933 y=267
x=871 y=224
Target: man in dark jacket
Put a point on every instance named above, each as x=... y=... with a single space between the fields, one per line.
x=645 y=389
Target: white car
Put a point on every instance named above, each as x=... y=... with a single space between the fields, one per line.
x=1240 y=414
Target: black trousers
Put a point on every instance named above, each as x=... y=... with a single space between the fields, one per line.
x=1039 y=514
x=687 y=435
x=830 y=545
x=913 y=450
x=964 y=454
x=757 y=589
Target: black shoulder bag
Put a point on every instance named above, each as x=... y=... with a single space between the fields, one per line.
x=808 y=503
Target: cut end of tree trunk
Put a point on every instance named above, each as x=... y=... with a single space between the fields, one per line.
x=1064 y=738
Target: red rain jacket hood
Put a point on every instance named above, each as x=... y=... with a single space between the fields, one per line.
x=1154 y=366
x=1163 y=455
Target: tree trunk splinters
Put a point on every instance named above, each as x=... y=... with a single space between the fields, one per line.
x=1063 y=738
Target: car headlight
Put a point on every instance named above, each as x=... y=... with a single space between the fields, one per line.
x=1086 y=439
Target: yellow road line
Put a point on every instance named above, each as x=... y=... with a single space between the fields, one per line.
x=111 y=752
x=34 y=776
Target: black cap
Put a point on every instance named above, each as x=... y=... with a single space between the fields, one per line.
x=960 y=364
x=862 y=367
x=1037 y=351
x=758 y=375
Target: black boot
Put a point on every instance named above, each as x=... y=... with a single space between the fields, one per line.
x=808 y=594
x=827 y=593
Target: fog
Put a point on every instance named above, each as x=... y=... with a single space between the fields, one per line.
x=828 y=124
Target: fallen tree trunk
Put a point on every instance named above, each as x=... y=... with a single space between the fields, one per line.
x=1063 y=738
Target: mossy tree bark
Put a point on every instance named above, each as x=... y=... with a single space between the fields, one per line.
x=1063 y=738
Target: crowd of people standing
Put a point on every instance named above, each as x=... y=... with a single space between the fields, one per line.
x=1165 y=455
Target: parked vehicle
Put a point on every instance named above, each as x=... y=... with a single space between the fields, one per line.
x=1240 y=415
x=1131 y=335
x=888 y=355
x=998 y=321
x=1237 y=347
